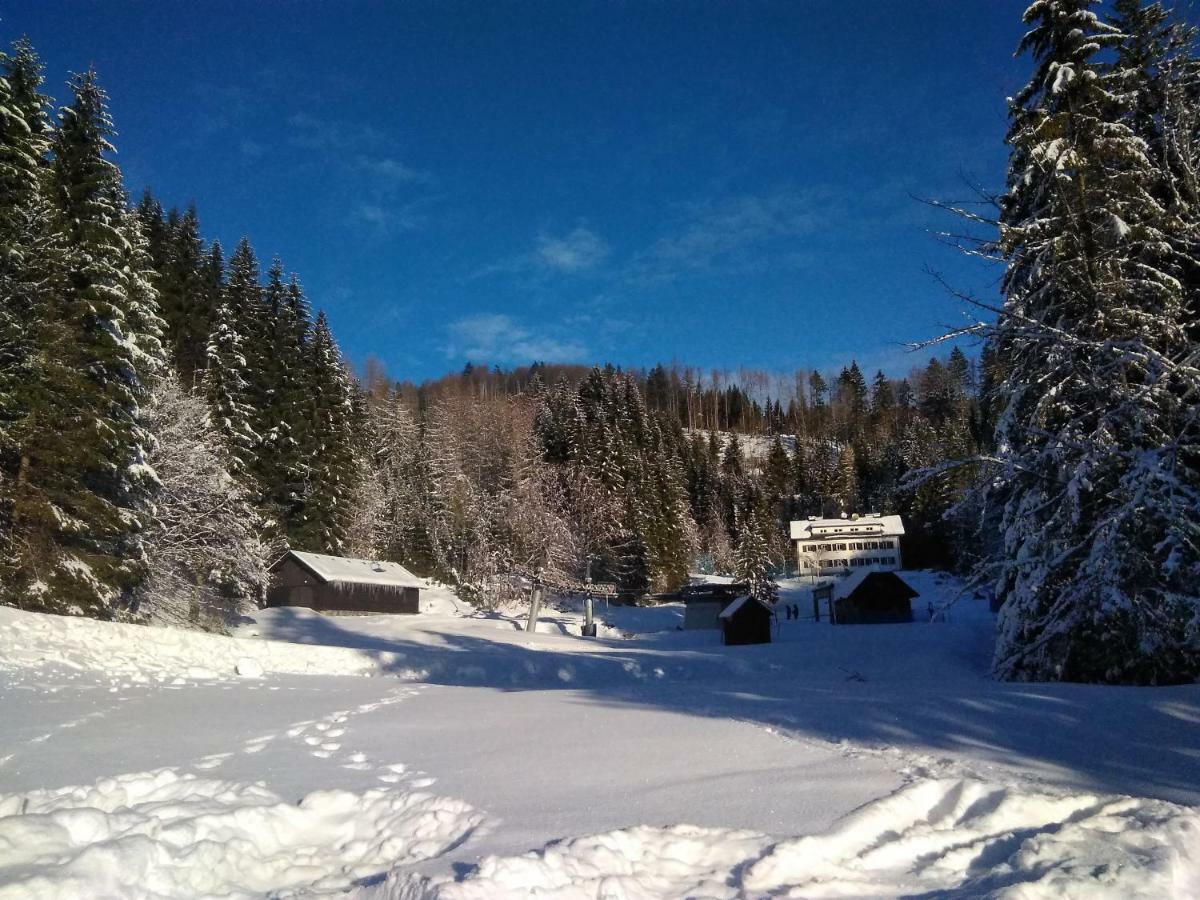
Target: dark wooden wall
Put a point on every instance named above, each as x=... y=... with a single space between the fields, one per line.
x=294 y=585
x=749 y=625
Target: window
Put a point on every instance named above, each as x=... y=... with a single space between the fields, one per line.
x=890 y=545
x=841 y=546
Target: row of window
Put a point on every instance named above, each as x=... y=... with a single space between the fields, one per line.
x=857 y=561
x=856 y=545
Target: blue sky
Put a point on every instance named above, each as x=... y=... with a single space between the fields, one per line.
x=725 y=184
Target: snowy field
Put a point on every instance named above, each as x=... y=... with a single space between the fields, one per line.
x=453 y=755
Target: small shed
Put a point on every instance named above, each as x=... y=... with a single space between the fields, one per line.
x=873 y=598
x=702 y=604
x=339 y=584
x=747 y=620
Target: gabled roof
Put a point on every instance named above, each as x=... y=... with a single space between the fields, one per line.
x=865 y=526
x=344 y=570
x=737 y=604
x=847 y=586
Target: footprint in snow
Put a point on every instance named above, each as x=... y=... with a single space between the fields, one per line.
x=211 y=762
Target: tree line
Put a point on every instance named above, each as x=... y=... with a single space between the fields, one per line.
x=168 y=419
x=600 y=471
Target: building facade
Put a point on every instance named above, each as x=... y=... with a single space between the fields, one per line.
x=847 y=545
x=335 y=584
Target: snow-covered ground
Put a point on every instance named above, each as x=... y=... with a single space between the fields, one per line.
x=454 y=755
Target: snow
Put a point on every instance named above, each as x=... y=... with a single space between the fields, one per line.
x=877 y=525
x=162 y=833
x=344 y=570
x=952 y=837
x=481 y=760
x=728 y=612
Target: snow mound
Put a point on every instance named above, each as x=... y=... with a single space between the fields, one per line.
x=162 y=834
x=943 y=837
x=982 y=839
x=153 y=654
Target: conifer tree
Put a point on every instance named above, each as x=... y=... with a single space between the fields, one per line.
x=1098 y=570
x=334 y=471
x=186 y=303
x=23 y=146
x=753 y=557
x=83 y=480
x=226 y=385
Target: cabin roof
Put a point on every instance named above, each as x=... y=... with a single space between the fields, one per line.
x=729 y=611
x=863 y=526
x=345 y=570
x=847 y=586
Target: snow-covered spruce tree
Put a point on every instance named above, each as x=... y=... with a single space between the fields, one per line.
x=225 y=385
x=186 y=306
x=83 y=482
x=206 y=560
x=329 y=443
x=1098 y=392
x=754 y=555
x=280 y=418
x=23 y=145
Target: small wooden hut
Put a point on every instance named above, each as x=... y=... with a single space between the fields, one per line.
x=873 y=598
x=702 y=604
x=338 y=584
x=747 y=621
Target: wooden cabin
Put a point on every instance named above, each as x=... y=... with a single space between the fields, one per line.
x=747 y=621
x=872 y=598
x=338 y=584
x=702 y=604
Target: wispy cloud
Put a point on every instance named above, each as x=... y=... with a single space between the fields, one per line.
x=733 y=233
x=380 y=180
x=580 y=248
x=498 y=338
x=316 y=133
x=385 y=216
x=577 y=251
x=251 y=149
x=387 y=172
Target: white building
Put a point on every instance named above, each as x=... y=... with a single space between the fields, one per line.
x=842 y=546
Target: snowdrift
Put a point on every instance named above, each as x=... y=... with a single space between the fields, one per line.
x=934 y=837
x=149 y=654
x=163 y=834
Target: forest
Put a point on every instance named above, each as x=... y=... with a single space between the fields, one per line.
x=172 y=416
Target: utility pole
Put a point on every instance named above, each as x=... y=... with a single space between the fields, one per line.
x=589 y=626
x=535 y=602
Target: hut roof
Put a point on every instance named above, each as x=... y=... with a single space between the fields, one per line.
x=850 y=584
x=729 y=611
x=344 y=570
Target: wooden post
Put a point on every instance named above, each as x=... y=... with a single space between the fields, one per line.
x=589 y=626
x=535 y=605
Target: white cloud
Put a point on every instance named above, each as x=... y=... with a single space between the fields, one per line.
x=733 y=233
x=497 y=338
x=390 y=172
x=385 y=217
x=579 y=249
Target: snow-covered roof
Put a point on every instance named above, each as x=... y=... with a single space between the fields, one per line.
x=845 y=586
x=737 y=604
x=810 y=529
x=344 y=570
